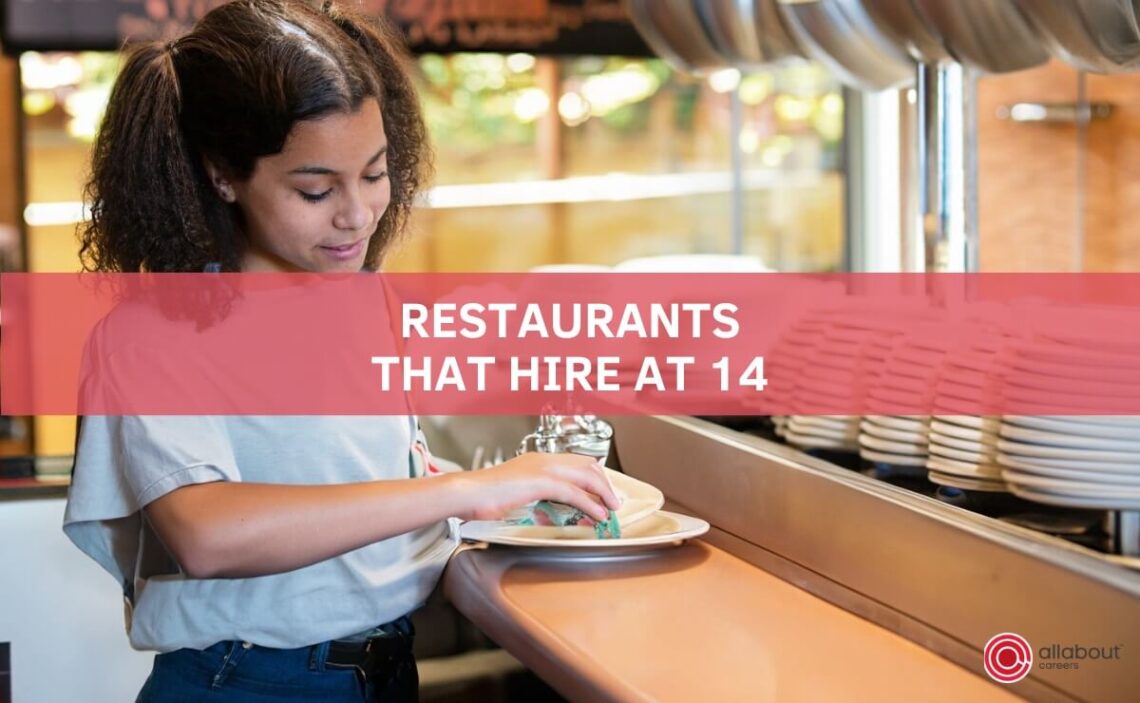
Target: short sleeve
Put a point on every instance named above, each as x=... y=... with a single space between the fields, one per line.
x=124 y=463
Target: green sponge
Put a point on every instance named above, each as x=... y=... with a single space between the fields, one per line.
x=561 y=515
x=608 y=528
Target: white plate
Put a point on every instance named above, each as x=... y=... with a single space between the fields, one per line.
x=1016 y=448
x=989 y=472
x=975 y=362
x=948 y=406
x=1117 y=322
x=892 y=434
x=1058 y=439
x=1077 y=387
x=660 y=528
x=960 y=391
x=1097 y=477
x=1075 y=371
x=892 y=399
x=976 y=423
x=1058 y=354
x=899 y=422
x=1071 y=488
x=805 y=424
x=884 y=445
x=830 y=375
x=907 y=375
x=940 y=425
x=937 y=438
x=1074 y=501
x=980 y=456
x=826 y=422
x=1113 y=467
x=967 y=484
x=962 y=434
x=838 y=393
x=892 y=459
x=1024 y=401
x=1104 y=483
x=1112 y=427
x=810 y=402
x=810 y=442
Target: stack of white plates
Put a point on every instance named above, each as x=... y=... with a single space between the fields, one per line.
x=1082 y=461
x=963 y=452
x=963 y=447
x=906 y=379
x=821 y=432
x=785 y=361
x=1085 y=361
x=1081 y=361
x=803 y=349
x=836 y=374
x=893 y=439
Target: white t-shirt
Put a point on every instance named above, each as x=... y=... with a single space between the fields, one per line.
x=124 y=463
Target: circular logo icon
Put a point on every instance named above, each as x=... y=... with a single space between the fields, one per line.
x=1008 y=658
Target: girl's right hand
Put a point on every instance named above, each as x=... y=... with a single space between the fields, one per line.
x=565 y=478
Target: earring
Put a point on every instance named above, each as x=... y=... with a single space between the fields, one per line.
x=225 y=192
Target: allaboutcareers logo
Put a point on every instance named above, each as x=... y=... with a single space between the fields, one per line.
x=1008 y=658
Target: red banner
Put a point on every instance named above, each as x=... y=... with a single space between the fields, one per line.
x=704 y=344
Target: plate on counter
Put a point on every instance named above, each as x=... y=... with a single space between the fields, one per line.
x=661 y=529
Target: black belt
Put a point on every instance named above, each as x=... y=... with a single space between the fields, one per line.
x=375 y=657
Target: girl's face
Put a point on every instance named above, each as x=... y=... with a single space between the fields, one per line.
x=314 y=206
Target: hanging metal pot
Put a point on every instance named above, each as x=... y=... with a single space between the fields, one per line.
x=989 y=35
x=902 y=23
x=747 y=33
x=673 y=29
x=841 y=35
x=1101 y=36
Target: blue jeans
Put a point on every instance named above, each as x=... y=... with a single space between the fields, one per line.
x=237 y=672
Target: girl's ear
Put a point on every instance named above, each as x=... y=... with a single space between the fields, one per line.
x=220 y=181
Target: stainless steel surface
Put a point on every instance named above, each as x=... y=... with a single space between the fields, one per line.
x=1064 y=113
x=874 y=147
x=944 y=577
x=1126 y=532
x=1101 y=36
x=948 y=164
x=902 y=23
x=747 y=33
x=989 y=35
x=736 y=128
x=841 y=35
x=912 y=245
x=675 y=33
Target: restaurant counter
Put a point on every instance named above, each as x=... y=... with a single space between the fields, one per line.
x=815 y=583
x=691 y=623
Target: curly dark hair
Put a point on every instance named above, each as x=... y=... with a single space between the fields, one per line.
x=230 y=91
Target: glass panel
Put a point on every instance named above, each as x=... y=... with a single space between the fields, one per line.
x=624 y=158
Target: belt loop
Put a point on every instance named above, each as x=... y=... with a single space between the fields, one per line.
x=235 y=651
x=317 y=655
